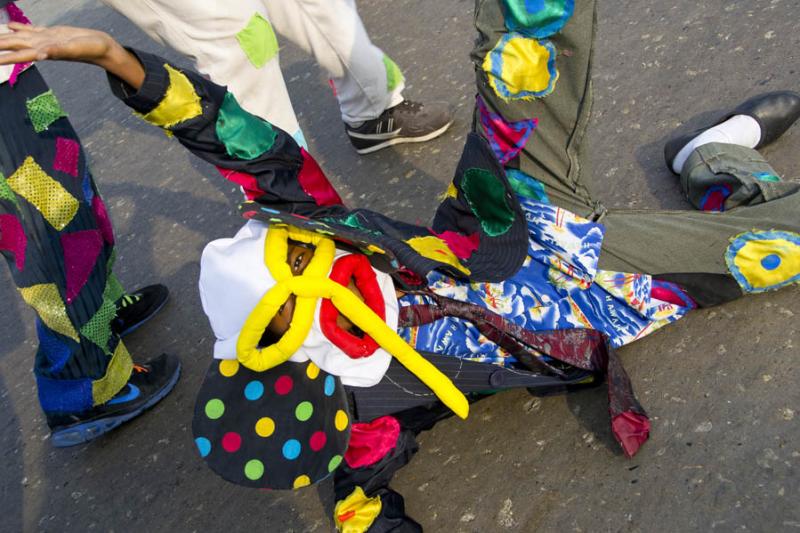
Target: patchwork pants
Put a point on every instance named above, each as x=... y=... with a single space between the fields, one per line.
x=533 y=67
x=57 y=238
x=234 y=44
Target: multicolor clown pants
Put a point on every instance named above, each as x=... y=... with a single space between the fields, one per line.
x=533 y=64
x=234 y=44
x=56 y=235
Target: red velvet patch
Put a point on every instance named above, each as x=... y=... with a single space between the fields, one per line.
x=13 y=239
x=67 y=153
x=631 y=431
x=247 y=181
x=369 y=443
x=357 y=268
x=461 y=245
x=315 y=184
x=101 y=217
x=81 y=249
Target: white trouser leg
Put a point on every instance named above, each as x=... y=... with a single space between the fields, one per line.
x=332 y=31
x=205 y=31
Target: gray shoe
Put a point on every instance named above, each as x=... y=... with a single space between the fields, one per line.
x=407 y=122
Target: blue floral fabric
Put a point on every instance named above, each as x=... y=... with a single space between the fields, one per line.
x=559 y=286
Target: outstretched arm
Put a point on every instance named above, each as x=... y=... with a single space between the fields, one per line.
x=35 y=43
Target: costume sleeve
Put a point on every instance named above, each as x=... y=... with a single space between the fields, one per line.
x=204 y=117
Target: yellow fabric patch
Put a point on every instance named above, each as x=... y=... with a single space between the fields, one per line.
x=356 y=513
x=767 y=263
x=436 y=249
x=52 y=200
x=117 y=375
x=180 y=102
x=451 y=192
x=50 y=307
x=520 y=68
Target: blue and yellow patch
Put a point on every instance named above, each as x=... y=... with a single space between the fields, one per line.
x=520 y=68
x=764 y=260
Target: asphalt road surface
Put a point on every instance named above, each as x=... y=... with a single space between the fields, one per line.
x=720 y=385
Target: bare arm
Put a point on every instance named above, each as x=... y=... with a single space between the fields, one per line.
x=35 y=43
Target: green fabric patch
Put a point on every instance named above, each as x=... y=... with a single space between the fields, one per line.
x=486 y=196
x=245 y=136
x=98 y=328
x=393 y=75
x=5 y=191
x=258 y=41
x=114 y=290
x=43 y=110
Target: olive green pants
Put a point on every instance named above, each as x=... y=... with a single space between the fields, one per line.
x=752 y=246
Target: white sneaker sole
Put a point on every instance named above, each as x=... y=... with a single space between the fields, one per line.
x=402 y=140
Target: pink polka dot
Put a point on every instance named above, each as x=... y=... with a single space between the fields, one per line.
x=231 y=442
x=317 y=441
x=283 y=385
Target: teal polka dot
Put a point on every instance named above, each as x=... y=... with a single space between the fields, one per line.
x=254 y=390
x=330 y=385
x=203 y=446
x=291 y=449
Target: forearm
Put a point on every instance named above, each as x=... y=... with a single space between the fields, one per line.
x=121 y=63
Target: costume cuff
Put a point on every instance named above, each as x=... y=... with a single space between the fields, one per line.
x=152 y=91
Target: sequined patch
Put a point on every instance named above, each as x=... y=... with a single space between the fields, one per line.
x=56 y=351
x=81 y=249
x=67 y=153
x=519 y=68
x=117 y=375
x=537 y=18
x=486 y=196
x=102 y=219
x=98 y=328
x=258 y=41
x=13 y=239
x=436 y=249
x=5 y=191
x=180 y=102
x=50 y=307
x=764 y=260
x=43 y=110
x=57 y=206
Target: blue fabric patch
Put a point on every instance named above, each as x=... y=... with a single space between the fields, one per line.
x=56 y=351
x=527 y=186
x=64 y=395
x=88 y=191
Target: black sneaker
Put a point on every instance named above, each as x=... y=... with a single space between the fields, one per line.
x=149 y=384
x=407 y=122
x=136 y=308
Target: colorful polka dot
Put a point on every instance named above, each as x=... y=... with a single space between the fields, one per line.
x=215 y=408
x=283 y=385
x=291 y=449
x=265 y=427
x=301 y=481
x=771 y=262
x=303 y=411
x=203 y=446
x=312 y=371
x=335 y=461
x=254 y=469
x=254 y=390
x=330 y=385
x=231 y=442
x=340 y=420
x=317 y=440
x=228 y=367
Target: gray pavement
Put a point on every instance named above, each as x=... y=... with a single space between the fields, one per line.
x=721 y=385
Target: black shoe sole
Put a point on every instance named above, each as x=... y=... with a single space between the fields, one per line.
x=86 y=431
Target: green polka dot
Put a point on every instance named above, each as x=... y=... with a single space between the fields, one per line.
x=215 y=409
x=254 y=469
x=334 y=462
x=304 y=411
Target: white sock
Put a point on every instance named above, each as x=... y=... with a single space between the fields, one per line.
x=739 y=129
